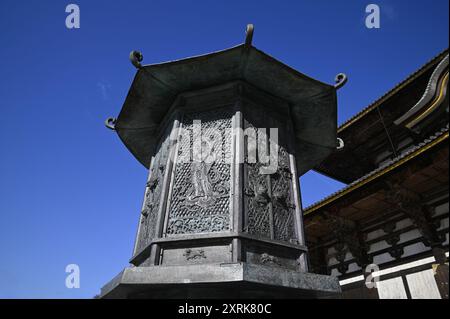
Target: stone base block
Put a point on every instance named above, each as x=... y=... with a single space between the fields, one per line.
x=219 y=281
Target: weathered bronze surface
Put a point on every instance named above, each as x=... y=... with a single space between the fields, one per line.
x=312 y=104
x=235 y=221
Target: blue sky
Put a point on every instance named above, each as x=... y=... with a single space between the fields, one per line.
x=69 y=190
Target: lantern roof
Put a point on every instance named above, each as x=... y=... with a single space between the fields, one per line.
x=313 y=105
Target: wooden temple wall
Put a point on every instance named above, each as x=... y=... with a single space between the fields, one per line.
x=395 y=245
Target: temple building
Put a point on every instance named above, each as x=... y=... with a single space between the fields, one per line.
x=388 y=227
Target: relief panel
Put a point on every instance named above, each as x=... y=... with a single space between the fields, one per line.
x=256 y=196
x=200 y=201
x=268 y=198
x=152 y=201
x=196 y=255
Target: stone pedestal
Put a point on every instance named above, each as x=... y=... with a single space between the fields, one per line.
x=218 y=281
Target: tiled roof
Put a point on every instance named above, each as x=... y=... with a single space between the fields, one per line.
x=405 y=156
x=394 y=90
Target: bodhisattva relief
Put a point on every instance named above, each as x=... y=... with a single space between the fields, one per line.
x=201 y=190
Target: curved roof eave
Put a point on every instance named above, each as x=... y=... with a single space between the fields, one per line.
x=155 y=87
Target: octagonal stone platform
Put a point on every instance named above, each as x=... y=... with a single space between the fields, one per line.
x=224 y=281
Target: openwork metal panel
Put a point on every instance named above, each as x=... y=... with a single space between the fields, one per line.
x=200 y=201
x=153 y=191
x=282 y=202
x=255 y=194
x=268 y=198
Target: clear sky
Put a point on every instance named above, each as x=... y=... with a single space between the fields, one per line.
x=69 y=190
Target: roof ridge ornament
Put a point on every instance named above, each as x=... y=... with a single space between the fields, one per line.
x=340 y=80
x=249 y=35
x=136 y=58
x=431 y=99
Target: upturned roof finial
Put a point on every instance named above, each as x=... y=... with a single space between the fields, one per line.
x=340 y=80
x=110 y=123
x=136 y=57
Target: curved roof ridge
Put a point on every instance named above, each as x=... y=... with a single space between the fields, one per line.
x=382 y=167
x=395 y=89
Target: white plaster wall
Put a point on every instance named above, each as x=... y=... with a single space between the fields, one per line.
x=441 y=209
x=353 y=267
x=391 y=289
x=330 y=253
x=414 y=249
x=403 y=223
x=409 y=235
x=444 y=223
x=332 y=261
x=348 y=256
x=335 y=273
x=378 y=246
x=375 y=234
x=383 y=258
x=422 y=285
